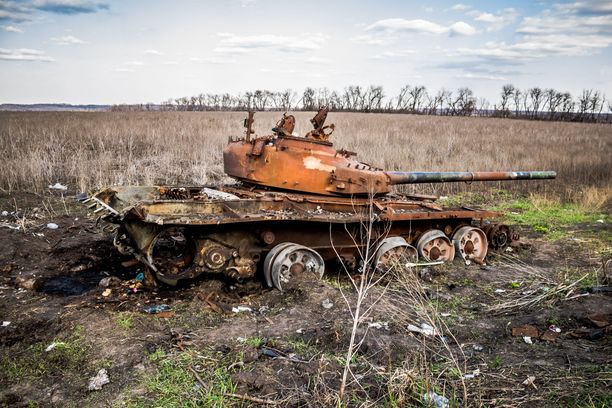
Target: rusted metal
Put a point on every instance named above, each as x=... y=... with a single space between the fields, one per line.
x=300 y=204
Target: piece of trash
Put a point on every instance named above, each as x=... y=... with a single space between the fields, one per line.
x=58 y=186
x=52 y=225
x=106 y=292
x=139 y=277
x=530 y=381
x=477 y=347
x=100 y=380
x=425 y=329
x=439 y=401
x=527 y=340
x=238 y=309
x=600 y=221
x=509 y=249
x=263 y=309
x=327 y=304
x=299 y=331
x=527 y=330
x=379 y=325
x=265 y=351
x=5 y=324
x=474 y=374
x=445 y=314
x=54 y=345
x=81 y=196
x=500 y=291
x=551 y=334
x=157 y=309
x=5 y=213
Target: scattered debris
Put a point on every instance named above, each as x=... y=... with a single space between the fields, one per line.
x=474 y=374
x=327 y=304
x=54 y=345
x=109 y=281
x=551 y=334
x=379 y=325
x=238 y=309
x=527 y=340
x=600 y=221
x=425 y=329
x=525 y=331
x=100 y=380
x=58 y=186
x=52 y=226
x=600 y=320
x=28 y=283
x=439 y=401
x=5 y=213
x=500 y=291
x=530 y=381
x=477 y=347
x=157 y=309
x=5 y=324
x=106 y=292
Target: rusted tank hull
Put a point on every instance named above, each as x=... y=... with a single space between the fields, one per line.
x=181 y=233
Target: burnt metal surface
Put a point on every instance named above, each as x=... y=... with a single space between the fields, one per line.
x=299 y=204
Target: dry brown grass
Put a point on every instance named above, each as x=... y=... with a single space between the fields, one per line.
x=88 y=150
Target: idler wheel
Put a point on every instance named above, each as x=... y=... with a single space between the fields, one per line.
x=498 y=235
x=471 y=243
x=433 y=245
x=172 y=253
x=393 y=251
x=289 y=263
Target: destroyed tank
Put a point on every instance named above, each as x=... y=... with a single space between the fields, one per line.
x=298 y=206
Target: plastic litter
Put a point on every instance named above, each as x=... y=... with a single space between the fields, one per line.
x=54 y=345
x=58 y=186
x=52 y=225
x=106 y=292
x=530 y=381
x=379 y=325
x=425 y=329
x=477 y=347
x=527 y=340
x=474 y=374
x=157 y=309
x=5 y=324
x=439 y=401
x=100 y=380
x=327 y=304
x=238 y=309
x=500 y=291
x=139 y=277
x=5 y=213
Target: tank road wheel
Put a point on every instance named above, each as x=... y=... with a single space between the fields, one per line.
x=471 y=243
x=288 y=263
x=172 y=253
x=499 y=235
x=433 y=245
x=394 y=250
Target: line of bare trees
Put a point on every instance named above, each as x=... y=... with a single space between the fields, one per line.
x=531 y=103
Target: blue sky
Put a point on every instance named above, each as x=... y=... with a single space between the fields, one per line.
x=82 y=51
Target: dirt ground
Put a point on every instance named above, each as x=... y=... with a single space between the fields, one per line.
x=288 y=348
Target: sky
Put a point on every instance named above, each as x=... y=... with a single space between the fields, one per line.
x=110 y=52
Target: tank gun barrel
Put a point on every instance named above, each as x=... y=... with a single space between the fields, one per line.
x=405 y=177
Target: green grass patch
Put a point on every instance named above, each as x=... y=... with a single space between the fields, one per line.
x=174 y=383
x=547 y=216
x=33 y=362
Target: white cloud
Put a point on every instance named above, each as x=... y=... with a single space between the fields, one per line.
x=217 y=59
x=170 y=63
x=484 y=77
x=577 y=29
x=67 y=40
x=495 y=21
x=394 y=26
x=247 y=3
x=123 y=69
x=153 y=52
x=235 y=44
x=393 y=54
x=12 y=29
x=460 y=7
x=24 y=54
x=134 y=64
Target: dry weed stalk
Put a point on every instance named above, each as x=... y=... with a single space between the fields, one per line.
x=540 y=289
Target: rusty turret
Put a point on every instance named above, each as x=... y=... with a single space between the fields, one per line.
x=311 y=164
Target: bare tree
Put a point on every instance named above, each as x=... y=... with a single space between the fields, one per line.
x=506 y=95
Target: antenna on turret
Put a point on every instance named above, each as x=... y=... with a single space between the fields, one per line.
x=248 y=124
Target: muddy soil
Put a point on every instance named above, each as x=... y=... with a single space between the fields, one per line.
x=286 y=347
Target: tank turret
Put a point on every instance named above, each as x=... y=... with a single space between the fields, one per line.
x=311 y=164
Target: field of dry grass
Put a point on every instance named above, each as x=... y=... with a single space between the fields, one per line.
x=88 y=150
